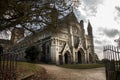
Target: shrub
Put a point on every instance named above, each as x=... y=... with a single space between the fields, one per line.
x=31 y=53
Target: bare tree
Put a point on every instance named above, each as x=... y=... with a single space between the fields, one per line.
x=29 y=13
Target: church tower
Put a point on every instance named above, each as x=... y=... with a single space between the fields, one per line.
x=90 y=45
x=83 y=34
x=17 y=34
x=89 y=29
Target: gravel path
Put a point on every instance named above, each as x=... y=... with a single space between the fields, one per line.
x=58 y=73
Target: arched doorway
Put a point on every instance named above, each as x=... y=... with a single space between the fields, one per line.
x=67 y=58
x=79 y=57
x=60 y=59
x=90 y=58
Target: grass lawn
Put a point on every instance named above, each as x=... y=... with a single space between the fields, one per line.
x=81 y=66
x=24 y=68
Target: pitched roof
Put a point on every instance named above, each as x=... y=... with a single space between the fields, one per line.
x=70 y=18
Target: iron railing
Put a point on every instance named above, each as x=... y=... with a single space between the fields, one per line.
x=8 y=66
x=112 y=62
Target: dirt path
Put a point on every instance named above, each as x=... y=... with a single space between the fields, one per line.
x=58 y=73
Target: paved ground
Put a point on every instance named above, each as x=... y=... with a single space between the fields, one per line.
x=58 y=73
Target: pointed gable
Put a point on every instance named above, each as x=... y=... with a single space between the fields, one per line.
x=70 y=18
x=66 y=48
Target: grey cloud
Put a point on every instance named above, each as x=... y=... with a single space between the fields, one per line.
x=101 y=34
x=79 y=15
x=105 y=41
x=117 y=17
x=110 y=32
x=4 y=35
x=93 y=2
x=98 y=41
x=90 y=6
x=117 y=8
x=98 y=47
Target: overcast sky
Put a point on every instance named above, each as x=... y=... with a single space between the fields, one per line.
x=104 y=16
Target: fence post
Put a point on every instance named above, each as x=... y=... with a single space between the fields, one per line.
x=8 y=66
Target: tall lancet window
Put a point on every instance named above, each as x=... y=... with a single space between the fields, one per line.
x=76 y=41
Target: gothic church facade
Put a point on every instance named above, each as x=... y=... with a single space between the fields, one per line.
x=68 y=44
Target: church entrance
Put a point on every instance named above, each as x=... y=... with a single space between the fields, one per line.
x=90 y=58
x=79 y=57
x=60 y=59
x=67 y=58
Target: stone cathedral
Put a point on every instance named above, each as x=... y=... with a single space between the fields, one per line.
x=68 y=44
